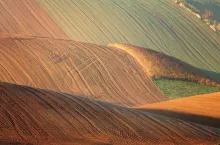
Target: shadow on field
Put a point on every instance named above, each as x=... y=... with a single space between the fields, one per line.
x=212 y=75
x=199 y=119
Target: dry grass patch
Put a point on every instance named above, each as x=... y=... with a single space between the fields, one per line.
x=160 y=65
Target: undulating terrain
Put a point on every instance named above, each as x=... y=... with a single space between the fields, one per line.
x=37 y=116
x=159 y=65
x=159 y=25
x=78 y=68
x=105 y=71
x=156 y=24
x=27 y=17
x=199 y=109
x=169 y=72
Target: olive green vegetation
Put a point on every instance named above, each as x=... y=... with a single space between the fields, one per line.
x=156 y=24
x=212 y=5
x=177 y=89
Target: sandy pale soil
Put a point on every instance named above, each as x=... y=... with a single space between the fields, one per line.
x=203 y=109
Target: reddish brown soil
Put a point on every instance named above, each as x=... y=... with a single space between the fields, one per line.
x=160 y=65
x=77 y=68
x=37 y=116
x=26 y=17
x=36 y=53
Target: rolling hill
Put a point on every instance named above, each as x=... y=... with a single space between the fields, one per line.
x=159 y=25
x=27 y=17
x=90 y=72
x=174 y=77
x=193 y=108
x=159 y=65
x=35 y=116
x=145 y=24
x=156 y=24
x=84 y=69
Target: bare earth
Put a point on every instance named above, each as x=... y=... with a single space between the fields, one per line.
x=26 y=17
x=37 y=116
x=56 y=91
x=77 y=68
x=202 y=109
x=205 y=105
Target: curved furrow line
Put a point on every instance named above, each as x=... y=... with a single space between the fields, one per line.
x=47 y=72
x=87 y=17
x=120 y=89
x=101 y=66
x=23 y=126
x=159 y=65
x=83 y=79
x=136 y=71
x=115 y=76
x=77 y=68
x=68 y=119
x=105 y=78
x=27 y=17
x=89 y=112
x=45 y=97
x=81 y=116
x=159 y=25
x=107 y=26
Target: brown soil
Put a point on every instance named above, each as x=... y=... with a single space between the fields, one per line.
x=38 y=116
x=160 y=65
x=77 y=68
x=26 y=17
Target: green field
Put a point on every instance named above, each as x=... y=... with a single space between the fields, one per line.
x=157 y=24
x=176 y=89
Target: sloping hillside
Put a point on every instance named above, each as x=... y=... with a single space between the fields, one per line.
x=37 y=116
x=205 y=105
x=77 y=68
x=26 y=17
x=159 y=25
x=159 y=65
x=174 y=77
x=156 y=24
x=201 y=109
x=61 y=84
